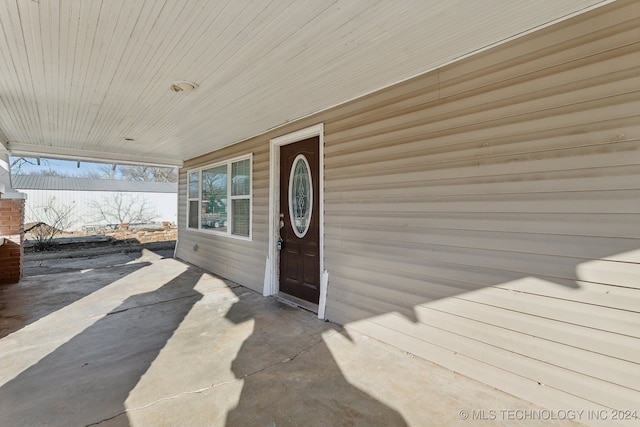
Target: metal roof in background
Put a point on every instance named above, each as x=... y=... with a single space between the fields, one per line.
x=39 y=182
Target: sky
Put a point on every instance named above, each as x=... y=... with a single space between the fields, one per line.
x=65 y=167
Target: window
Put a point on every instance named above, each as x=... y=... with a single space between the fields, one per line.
x=219 y=198
x=300 y=196
x=194 y=189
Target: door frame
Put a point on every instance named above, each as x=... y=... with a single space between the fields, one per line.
x=271 y=279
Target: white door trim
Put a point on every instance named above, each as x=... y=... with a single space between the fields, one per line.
x=271 y=282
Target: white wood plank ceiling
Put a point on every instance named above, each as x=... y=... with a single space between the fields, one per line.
x=80 y=77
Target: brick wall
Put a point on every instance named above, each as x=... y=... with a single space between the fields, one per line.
x=11 y=251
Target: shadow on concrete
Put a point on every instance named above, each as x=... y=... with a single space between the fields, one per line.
x=70 y=260
x=290 y=376
x=88 y=379
x=17 y=307
x=94 y=268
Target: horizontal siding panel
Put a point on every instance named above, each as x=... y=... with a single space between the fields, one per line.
x=502 y=120
x=227 y=263
x=562 y=88
x=499 y=186
x=554 y=224
x=432 y=280
x=410 y=169
x=587 y=202
x=620 y=349
x=555 y=353
x=542 y=51
x=220 y=241
x=589 y=292
x=406 y=247
x=411 y=291
x=383 y=102
x=436 y=166
x=564 y=310
x=467 y=145
x=614 y=273
x=601 y=342
x=444 y=163
x=548 y=70
x=395 y=233
x=505 y=180
x=596 y=76
x=422 y=95
x=487 y=142
x=442 y=159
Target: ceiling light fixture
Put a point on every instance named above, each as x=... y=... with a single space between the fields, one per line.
x=183 y=86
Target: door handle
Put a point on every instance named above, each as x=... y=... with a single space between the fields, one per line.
x=280 y=242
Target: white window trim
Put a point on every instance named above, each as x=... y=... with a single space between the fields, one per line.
x=227 y=233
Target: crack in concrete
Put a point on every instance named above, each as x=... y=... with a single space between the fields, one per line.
x=213 y=386
x=166 y=300
x=150 y=304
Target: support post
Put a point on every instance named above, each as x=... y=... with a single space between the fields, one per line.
x=12 y=205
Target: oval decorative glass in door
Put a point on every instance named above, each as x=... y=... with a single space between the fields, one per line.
x=300 y=196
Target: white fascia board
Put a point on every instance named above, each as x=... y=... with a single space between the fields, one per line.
x=30 y=150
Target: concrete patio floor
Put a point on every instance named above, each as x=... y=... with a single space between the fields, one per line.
x=141 y=339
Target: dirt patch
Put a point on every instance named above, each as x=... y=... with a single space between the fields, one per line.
x=65 y=251
x=34 y=229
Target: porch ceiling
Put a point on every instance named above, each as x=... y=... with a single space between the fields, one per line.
x=79 y=78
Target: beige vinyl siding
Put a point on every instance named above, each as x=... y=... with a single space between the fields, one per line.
x=486 y=216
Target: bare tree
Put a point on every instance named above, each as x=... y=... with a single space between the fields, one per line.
x=148 y=173
x=50 y=172
x=123 y=172
x=123 y=208
x=17 y=163
x=101 y=172
x=134 y=173
x=51 y=220
x=92 y=174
